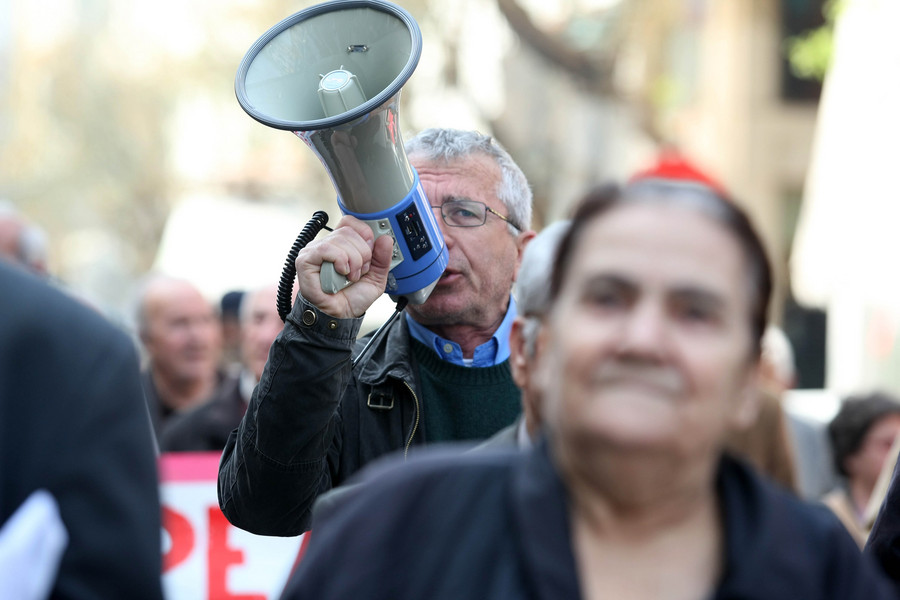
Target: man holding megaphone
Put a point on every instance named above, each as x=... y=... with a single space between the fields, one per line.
x=439 y=373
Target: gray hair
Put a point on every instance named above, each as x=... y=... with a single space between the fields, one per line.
x=532 y=287
x=451 y=144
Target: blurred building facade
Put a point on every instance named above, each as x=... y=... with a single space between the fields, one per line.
x=124 y=116
x=709 y=78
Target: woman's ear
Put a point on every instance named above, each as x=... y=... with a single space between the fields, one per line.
x=748 y=399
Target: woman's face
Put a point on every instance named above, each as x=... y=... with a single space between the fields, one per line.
x=648 y=344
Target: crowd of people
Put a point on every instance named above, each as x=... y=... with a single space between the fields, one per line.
x=593 y=410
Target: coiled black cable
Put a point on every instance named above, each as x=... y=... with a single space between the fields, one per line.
x=312 y=228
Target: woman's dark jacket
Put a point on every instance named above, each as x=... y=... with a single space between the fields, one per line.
x=494 y=524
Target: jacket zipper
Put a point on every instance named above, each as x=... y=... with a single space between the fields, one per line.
x=415 y=422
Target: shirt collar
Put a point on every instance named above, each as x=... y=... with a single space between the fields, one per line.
x=492 y=352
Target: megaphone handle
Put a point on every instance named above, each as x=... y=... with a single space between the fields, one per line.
x=332 y=282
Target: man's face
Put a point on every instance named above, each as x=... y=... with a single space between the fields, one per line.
x=474 y=289
x=260 y=326
x=647 y=346
x=182 y=336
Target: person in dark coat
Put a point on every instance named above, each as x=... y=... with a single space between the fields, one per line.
x=74 y=429
x=440 y=371
x=647 y=360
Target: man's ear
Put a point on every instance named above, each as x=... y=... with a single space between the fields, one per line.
x=518 y=352
x=521 y=241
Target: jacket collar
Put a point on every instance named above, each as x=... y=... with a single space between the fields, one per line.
x=390 y=357
x=753 y=523
x=540 y=511
x=753 y=528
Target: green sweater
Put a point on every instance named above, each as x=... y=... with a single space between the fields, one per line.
x=464 y=403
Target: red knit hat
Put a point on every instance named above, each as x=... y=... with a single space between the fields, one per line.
x=672 y=165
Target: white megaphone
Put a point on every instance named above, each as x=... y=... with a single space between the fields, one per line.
x=332 y=74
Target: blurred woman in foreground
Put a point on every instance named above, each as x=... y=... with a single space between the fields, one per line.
x=647 y=360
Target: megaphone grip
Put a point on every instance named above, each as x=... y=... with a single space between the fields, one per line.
x=332 y=282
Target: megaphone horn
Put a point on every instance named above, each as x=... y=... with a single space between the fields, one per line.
x=332 y=74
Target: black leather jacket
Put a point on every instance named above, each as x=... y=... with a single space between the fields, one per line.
x=302 y=433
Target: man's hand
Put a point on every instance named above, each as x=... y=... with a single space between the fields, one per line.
x=357 y=255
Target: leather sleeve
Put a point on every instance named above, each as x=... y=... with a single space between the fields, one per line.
x=277 y=462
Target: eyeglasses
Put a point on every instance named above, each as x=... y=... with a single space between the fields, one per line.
x=468 y=213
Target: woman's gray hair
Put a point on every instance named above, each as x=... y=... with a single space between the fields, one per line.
x=452 y=144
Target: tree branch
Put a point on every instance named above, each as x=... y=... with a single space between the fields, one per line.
x=595 y=73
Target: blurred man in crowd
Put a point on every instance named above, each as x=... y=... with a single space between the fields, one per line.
x=230 y=320
x=206 y=428
x=79 y=496
x=182 y=340
x=532 y=293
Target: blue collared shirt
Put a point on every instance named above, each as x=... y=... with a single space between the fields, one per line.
x=492 y=352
